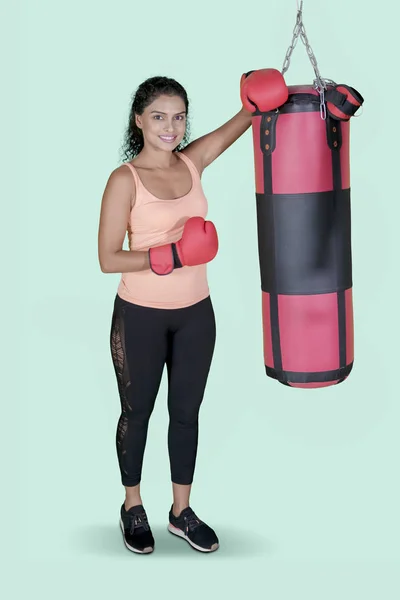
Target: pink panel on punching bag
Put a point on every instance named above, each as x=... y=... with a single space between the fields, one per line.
x=301 y=161
x=305 y=321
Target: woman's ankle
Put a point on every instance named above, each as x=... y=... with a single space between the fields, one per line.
x=178 y=507
x=132 y=502
x=132 y=496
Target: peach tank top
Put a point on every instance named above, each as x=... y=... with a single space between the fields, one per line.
x=154 y=222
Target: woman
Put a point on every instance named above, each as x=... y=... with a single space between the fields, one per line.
x=163 y=313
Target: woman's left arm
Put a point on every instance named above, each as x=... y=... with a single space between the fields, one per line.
x=205 y=149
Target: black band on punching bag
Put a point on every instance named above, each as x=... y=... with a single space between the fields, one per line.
x=304 y=242
x=289 y=377
x=294 y=104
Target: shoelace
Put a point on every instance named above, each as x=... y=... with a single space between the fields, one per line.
x=138 y=521
x=192 y=521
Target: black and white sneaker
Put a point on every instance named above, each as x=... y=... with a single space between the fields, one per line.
x=189 y=527
x=136 y=530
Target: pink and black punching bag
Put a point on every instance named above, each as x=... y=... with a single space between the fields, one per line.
x=302 y=177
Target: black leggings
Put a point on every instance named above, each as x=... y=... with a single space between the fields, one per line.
x=143 y=340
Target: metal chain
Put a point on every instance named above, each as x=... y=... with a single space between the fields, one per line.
x=319 y=83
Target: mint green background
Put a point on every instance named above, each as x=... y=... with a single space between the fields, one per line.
x=301 y=486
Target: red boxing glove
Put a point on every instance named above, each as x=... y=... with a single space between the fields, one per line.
x=343 y=101
x=264 y=90
x=197 y=246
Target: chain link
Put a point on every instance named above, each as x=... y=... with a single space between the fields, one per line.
x=319 y=82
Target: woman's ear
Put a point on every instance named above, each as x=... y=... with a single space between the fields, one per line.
x=138 y=121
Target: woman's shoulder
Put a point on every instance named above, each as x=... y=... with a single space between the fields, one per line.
x=193 y=158
x=122 y=181
x=124 y=176
x=126 y=168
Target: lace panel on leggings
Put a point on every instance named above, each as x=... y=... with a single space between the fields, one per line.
x=118 y=353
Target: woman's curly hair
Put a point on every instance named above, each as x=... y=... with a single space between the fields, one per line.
x=145 y=94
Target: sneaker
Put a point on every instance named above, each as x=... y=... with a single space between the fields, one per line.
x=189 y=527
x=136 y=530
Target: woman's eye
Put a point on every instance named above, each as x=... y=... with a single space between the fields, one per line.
x=180 y=117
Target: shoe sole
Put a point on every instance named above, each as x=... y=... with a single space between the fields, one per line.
x=179 y=533
x=147 y=550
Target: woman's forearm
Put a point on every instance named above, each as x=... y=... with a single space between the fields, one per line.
x=126 y=261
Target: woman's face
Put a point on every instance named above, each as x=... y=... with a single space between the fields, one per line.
x=163 y=122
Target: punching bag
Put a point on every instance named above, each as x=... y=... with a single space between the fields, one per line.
x=302 y=184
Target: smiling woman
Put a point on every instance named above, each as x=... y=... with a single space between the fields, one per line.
x=147 y=94
x=163 y=314
x=159 y=115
